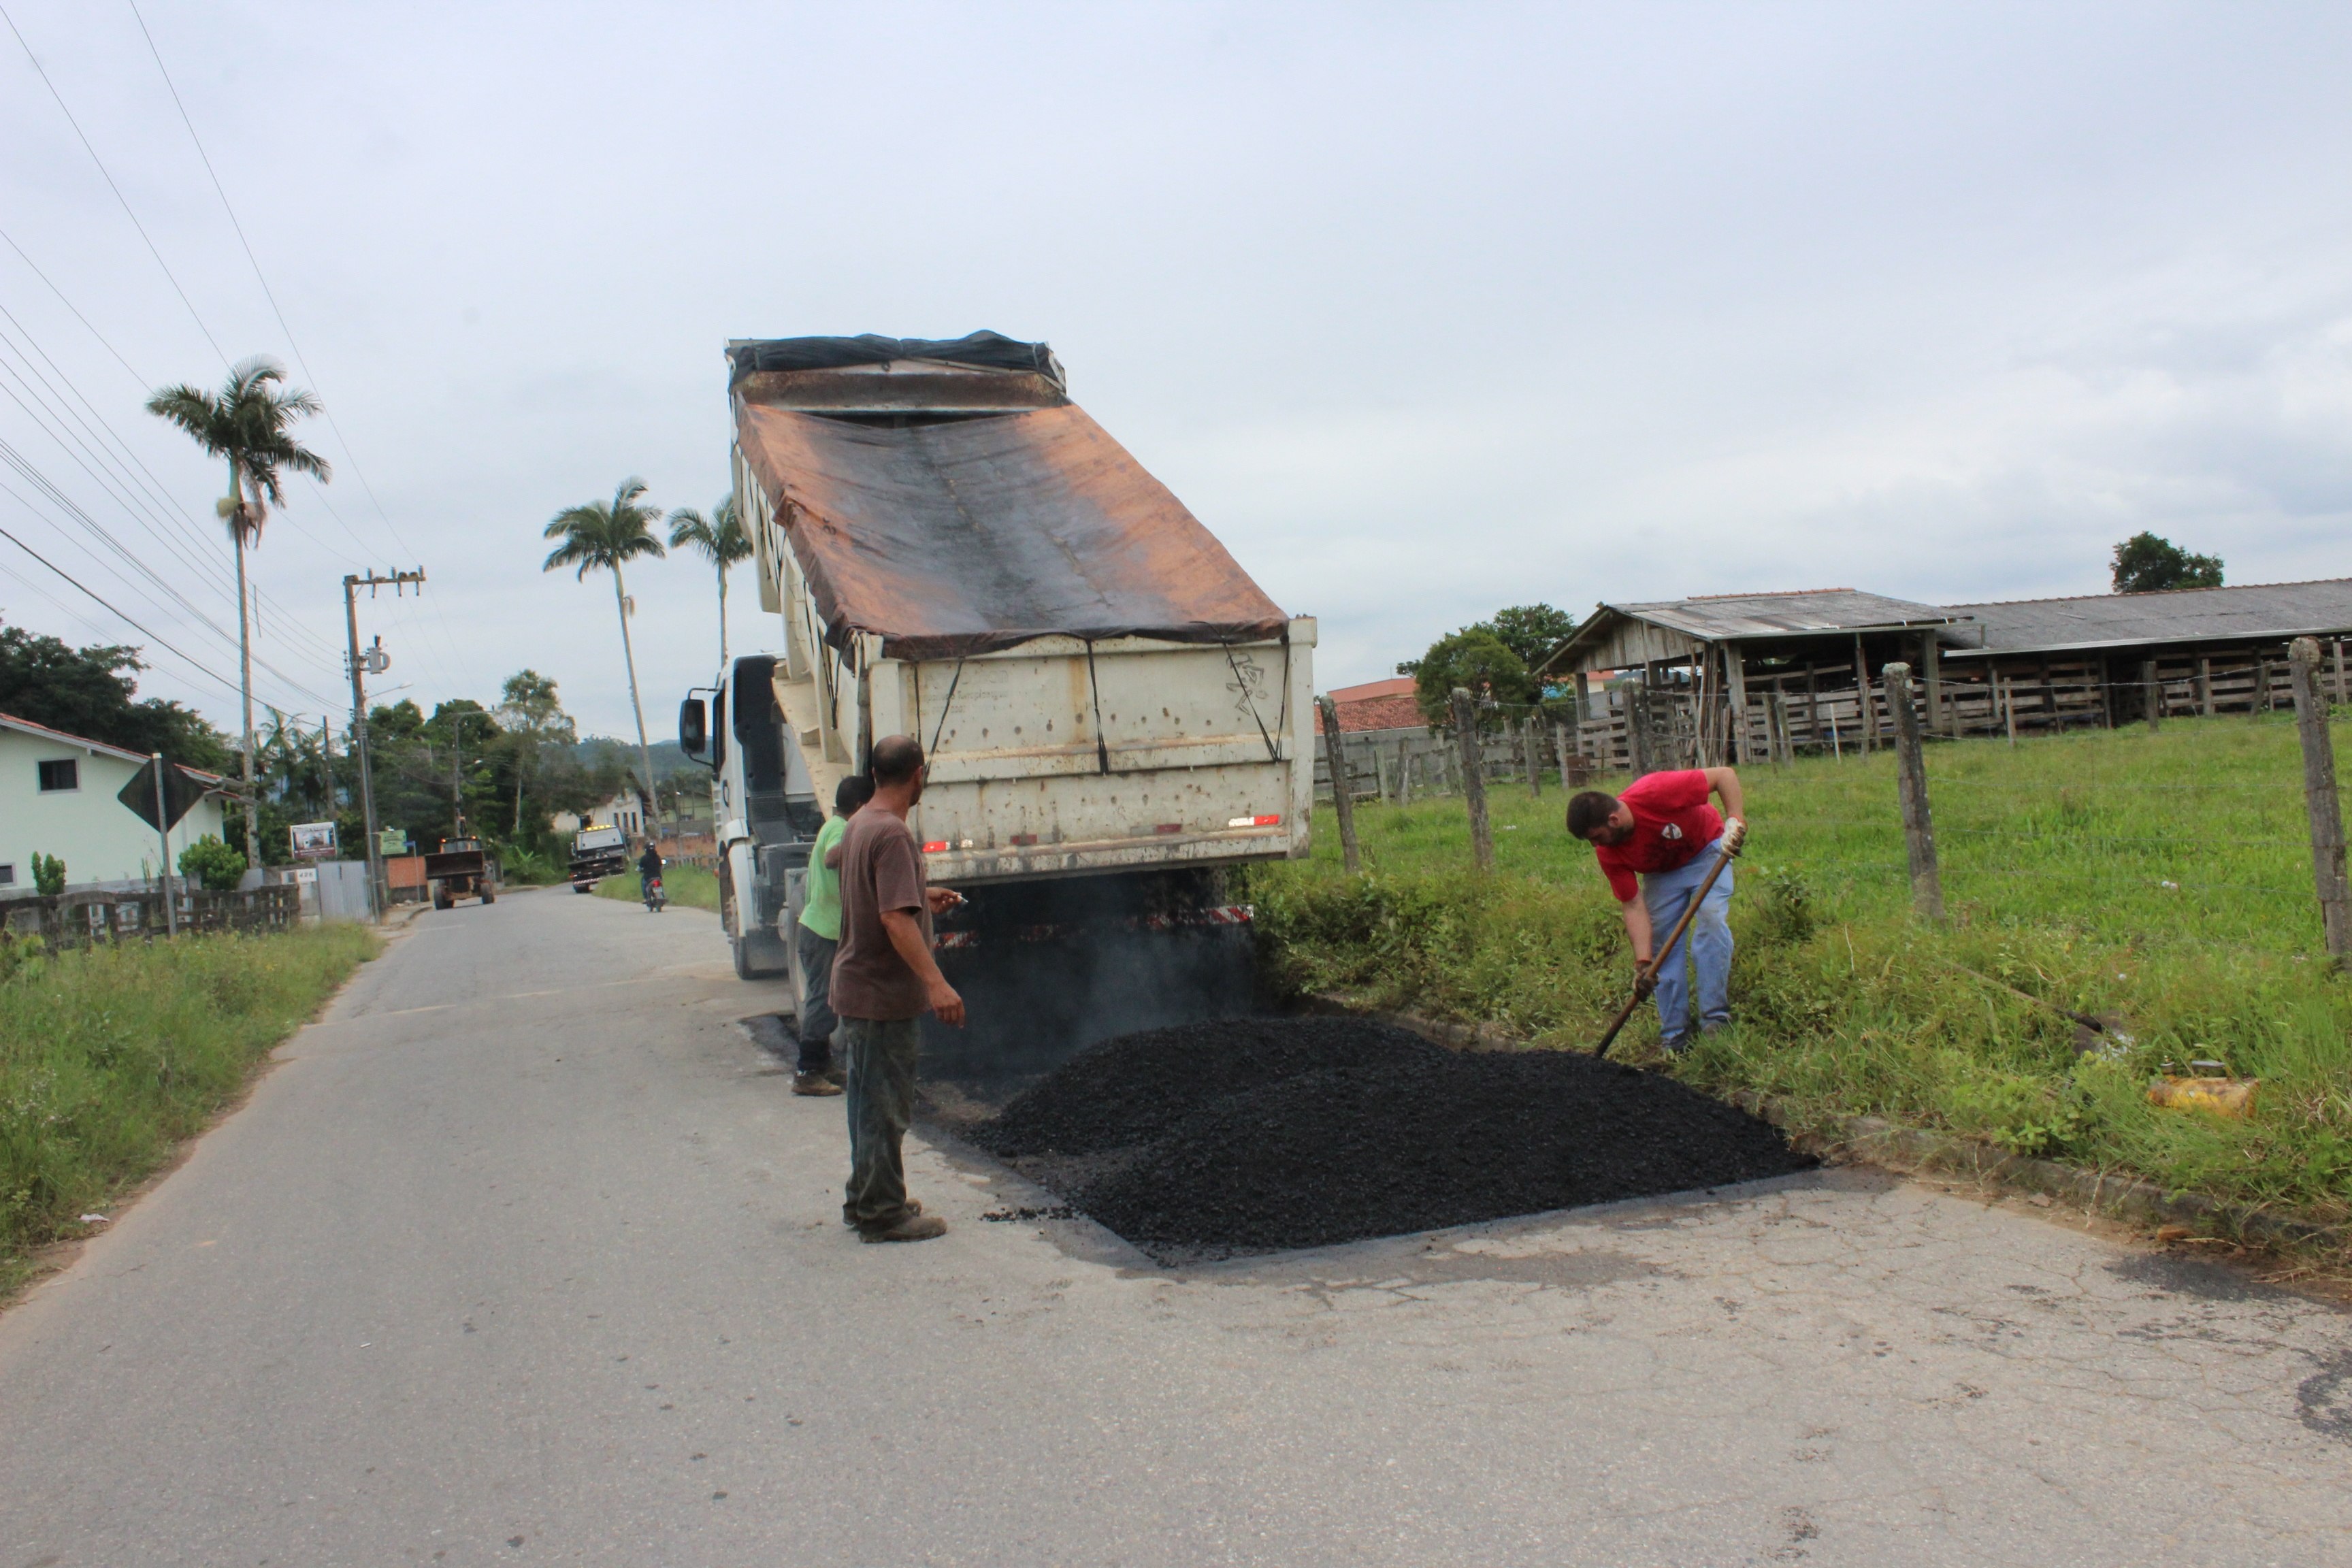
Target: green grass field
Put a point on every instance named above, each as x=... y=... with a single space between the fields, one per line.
x=689 y=885
x=2164 y=879
x=110 y=1055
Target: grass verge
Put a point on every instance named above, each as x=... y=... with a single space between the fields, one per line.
x=110 y=1055
x=689 y=885
x=2163 y=879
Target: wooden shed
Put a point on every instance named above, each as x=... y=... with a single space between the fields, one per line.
x=1729 y=677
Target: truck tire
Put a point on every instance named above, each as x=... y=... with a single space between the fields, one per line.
x=489 y=895
x=759 y=955
x=584 y=887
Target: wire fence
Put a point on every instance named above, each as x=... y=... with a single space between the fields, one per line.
x=2100 y=837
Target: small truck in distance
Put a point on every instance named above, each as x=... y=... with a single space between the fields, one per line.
x=598 y=851
x=461 y=868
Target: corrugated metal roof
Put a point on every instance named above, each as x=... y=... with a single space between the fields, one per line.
x=1820 y=611
x=2256 y=613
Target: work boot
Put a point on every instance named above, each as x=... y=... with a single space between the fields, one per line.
x=813 y=1083
x=913 y=1227
x=1674 y=1045
x=913 y=1205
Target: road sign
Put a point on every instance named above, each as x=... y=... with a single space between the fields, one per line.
x=182 y=790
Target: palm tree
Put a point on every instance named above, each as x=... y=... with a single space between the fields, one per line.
x=246 y=422
x=723 y=541
x=600 y=534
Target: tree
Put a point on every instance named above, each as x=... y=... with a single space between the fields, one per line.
x=533 y=722
x=246 y=422
x=598 y=535
x=48 y=875
x=89 y=691
x=723 y=541
x=2145 y=564
x=1473 y=658
x=1531 y=631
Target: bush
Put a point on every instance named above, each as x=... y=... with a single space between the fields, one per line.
x=48 y=875
x=212 y=863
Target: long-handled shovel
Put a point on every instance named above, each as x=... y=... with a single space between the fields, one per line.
x=1649 y=972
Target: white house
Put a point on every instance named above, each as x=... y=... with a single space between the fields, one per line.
x=57 y=796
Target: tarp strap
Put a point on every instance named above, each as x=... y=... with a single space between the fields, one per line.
x=953 y=682
x=1102 y=746
x=1273 y=751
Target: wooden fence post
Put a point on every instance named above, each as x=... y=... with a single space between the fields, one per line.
x=2320 y=800
x=1474 y=779
x=1911 y=784
x=1534 y=758
x=1404 y=773
x=1559 y=754
x=1343 y=794
x=2151 y=694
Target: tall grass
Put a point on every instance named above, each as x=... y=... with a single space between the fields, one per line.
x=2164 y=879
x=110 y=1055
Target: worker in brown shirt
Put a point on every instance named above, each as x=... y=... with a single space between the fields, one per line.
x=884 y=981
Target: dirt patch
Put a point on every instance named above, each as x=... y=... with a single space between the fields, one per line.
x=1265 y=1133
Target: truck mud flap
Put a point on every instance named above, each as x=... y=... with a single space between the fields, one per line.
x=761 y=955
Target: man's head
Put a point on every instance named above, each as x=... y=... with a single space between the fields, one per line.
x=852 y=793
x=1599 y=818
x=897 y=767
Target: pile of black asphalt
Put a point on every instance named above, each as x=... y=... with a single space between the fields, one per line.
x=1260 y=1134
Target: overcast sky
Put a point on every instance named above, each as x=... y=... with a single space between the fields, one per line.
x=1424 y=311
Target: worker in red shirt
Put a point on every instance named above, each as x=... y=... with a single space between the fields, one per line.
x=1663 y=828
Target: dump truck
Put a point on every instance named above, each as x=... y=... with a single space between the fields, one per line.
x=598 y=850
x=1114 y=715
x=461 y=868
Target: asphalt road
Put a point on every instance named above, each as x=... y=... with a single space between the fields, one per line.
x=525 y=1254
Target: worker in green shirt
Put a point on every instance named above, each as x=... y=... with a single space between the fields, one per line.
x=818 y=936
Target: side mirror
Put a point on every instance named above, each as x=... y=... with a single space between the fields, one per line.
x=693 y=732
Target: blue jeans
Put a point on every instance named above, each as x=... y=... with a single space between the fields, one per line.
x=1706 y=945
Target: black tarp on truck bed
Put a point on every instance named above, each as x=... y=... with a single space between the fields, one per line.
x=961 y=536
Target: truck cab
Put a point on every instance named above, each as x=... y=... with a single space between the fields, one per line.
x=764 y=812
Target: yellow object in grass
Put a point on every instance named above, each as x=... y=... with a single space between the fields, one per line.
x=2221 y=1096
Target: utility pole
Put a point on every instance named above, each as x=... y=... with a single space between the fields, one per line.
x=375 y=662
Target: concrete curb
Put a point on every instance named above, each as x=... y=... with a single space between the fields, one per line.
x=1874 y=1140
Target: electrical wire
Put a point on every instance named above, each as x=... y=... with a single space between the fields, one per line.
x=327 y=409
x=128 y=620
x=109 y=178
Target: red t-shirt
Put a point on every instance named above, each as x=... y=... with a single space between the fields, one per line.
x=1671 y=823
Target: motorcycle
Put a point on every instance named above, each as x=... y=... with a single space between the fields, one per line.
x=654 y=897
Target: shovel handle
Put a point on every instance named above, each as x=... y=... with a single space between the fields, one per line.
x=1658 y=960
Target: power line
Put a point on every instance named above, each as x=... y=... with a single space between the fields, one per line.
x=326 y=408
x=133 y=624
x=110 y=185
x=48 y=488
x=69 y=305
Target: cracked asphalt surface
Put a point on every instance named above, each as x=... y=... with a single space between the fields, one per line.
x=525 y=1253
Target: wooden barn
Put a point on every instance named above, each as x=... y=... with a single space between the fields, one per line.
x=1739 y=677
x=1730 y=676
x=2109 y=658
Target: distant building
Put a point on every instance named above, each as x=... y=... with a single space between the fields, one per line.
x=1377 y=705
x=57 y=796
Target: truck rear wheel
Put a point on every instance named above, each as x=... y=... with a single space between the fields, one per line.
x=489 y=895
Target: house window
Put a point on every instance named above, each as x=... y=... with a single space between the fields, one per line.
x=7 y=873
x=65 y=772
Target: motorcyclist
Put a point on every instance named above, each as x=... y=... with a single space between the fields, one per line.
x=649 y=870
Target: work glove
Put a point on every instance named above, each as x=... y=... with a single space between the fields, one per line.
x=1645 y=982
x=1735 y=834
